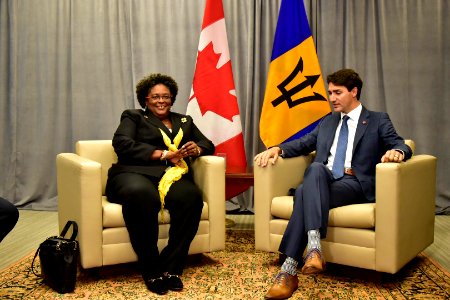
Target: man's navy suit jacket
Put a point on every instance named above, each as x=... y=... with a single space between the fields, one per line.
x=375 y=134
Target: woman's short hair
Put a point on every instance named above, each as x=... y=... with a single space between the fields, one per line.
x=348 y=78
x=147 y=83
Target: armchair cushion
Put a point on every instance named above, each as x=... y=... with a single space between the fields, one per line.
x=351 y=216
x=112 y=214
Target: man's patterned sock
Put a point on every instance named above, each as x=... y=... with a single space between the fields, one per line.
x=313 y=240
x=290 y=266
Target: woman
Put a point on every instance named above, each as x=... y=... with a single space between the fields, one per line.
x=154 y=149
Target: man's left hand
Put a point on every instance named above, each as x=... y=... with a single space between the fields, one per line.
x=392 y=156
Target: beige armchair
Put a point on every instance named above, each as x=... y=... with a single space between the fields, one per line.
x=102 y=235
x=381 y=236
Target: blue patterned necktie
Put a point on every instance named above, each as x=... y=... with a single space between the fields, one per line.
x=341 y=149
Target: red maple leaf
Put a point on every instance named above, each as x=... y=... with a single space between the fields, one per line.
x=212 y=86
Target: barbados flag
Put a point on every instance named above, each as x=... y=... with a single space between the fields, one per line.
x=295 y=99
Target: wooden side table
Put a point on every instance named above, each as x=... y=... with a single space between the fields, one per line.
x=237 y=181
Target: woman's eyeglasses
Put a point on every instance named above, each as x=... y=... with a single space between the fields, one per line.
x=157 y=97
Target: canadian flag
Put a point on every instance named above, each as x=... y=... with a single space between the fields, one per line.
x=213 y=104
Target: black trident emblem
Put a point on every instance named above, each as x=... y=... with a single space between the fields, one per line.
x=287 y=95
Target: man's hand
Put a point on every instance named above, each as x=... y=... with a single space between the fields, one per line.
x=262 y=158
x=392 y=156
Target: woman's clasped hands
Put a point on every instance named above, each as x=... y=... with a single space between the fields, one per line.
x=188 y=149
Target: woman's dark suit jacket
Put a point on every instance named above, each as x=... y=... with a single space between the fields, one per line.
x=138 y=135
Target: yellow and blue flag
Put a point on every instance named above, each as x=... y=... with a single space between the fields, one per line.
x=295 y=99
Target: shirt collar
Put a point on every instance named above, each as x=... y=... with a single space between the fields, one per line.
x=354 y=114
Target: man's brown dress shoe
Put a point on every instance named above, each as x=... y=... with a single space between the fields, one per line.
x=283 y=287
x=314 y=262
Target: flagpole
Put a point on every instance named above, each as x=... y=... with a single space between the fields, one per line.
x=315 y=29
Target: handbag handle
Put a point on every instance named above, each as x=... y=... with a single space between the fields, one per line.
x=66 y=228
x=32 y=263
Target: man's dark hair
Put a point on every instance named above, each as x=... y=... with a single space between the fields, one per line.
x=147 y=83
x=348 y=78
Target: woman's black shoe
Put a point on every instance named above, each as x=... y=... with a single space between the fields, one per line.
x=157 y=285
x=174 y=282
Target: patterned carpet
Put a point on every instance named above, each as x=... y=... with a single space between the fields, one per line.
x=238 y=273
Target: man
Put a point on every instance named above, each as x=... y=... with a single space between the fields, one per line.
x=8 y=217
x=348 y=144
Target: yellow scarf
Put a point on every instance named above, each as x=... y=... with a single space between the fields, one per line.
x=175 y=172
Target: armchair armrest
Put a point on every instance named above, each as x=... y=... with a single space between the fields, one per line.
x=209 y=176
x=80 y=199
x=273 y=181
x=405 y=202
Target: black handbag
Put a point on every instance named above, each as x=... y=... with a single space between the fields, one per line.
x=59 y=260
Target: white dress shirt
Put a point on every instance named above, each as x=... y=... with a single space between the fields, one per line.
x=352 y=123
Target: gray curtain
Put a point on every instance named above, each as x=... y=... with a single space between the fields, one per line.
x=69 y=68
